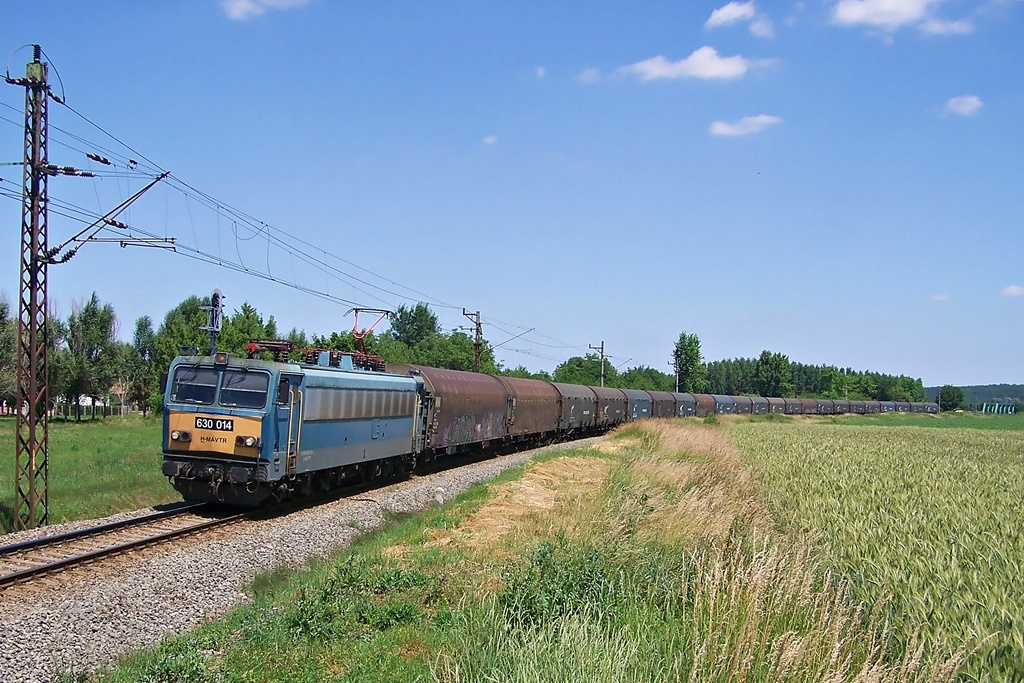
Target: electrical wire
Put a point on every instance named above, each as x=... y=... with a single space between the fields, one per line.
x=293 y=246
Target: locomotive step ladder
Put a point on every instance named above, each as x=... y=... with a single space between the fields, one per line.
x=294 y=442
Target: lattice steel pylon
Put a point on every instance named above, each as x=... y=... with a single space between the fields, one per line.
x=31 y=495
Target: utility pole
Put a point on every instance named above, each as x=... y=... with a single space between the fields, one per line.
x=32 y=474
x=675 y=366
x=31 y=448
x=478 y=343
x=601 y=349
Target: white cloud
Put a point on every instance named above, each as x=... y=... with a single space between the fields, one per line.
x=491 y=140
x=964 y=105
x=731 y=13
x=762 y=27
x=703 y=63
x=947 y=28
x=745 y=126
x=1013 y=290
x=939 y=297
x=590 y=75
x=890 y=15
x=541 y=72
x=247 y=9
x=736 y=12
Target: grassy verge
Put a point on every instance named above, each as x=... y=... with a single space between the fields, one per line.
x=647 y=559
x=929 y=519
x=96 y=468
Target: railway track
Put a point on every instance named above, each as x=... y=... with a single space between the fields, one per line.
x=23 y=562
x=27 y=560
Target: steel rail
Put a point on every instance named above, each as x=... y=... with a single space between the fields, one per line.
x=97 y=530
x=23 y=575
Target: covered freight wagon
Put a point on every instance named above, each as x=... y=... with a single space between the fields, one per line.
x=464 y=407
x=533 y=406
x=705 y=404
x=744 y=404
x=639 y=407
x=577 y=406
x=611 y=406
x=686 y=405
x=724 y=405
x=663 y=404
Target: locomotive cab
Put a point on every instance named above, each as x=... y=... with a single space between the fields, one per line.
x=220 y=436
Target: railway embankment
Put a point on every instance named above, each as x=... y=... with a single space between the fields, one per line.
x=67 y=625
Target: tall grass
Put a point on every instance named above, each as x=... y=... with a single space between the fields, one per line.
x=930 y=520
x=96 y=468
x=649 y=558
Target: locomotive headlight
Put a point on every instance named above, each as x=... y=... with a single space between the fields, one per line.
x=247 y=441
x=180 y=435
x=175 y=435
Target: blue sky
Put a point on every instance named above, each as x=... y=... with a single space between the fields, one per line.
x=839 y=181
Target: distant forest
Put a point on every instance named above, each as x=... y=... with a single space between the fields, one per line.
x=986 y=393
x=741 y=376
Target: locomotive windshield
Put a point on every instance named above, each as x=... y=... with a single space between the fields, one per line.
x=239 y=389
x=194 y=385
x=244 y=389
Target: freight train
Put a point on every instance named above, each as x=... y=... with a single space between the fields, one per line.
x=247 y=431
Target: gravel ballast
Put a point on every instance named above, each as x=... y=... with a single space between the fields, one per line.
x=85 y=619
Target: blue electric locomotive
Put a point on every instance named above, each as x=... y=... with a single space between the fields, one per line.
x=245 y=431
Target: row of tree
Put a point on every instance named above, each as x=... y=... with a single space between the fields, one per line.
x=773 y=374
x=87 y=360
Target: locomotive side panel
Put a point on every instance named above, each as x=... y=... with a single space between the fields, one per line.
x=354 y=417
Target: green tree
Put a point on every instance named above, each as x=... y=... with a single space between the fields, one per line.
x=774 y=374
x=646 y=379
x=92 y=367
x=415 y=325
x=689 y=363
x=179 y=329
x=244 y=325
x=951 y=398
x=8 y=354
x=586 y=370
x=835 y=383
x=142 y=371
x=522 y=372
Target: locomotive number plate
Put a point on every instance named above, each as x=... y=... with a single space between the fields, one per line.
x=215 y=424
